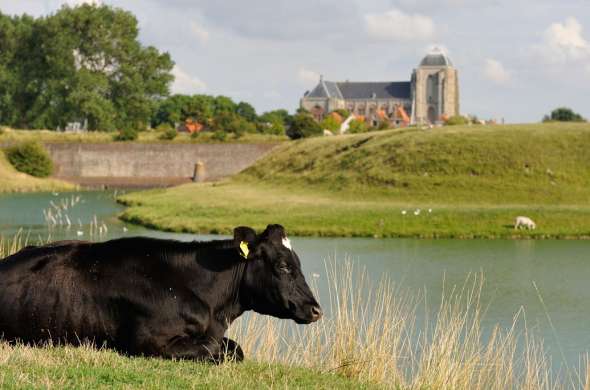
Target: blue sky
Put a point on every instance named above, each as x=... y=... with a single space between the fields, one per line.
x=517 y=59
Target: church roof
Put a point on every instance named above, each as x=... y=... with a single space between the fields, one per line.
x=375 y=90
x=436 y=59
x=362 y=90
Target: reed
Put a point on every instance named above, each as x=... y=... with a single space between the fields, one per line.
x=371 y=333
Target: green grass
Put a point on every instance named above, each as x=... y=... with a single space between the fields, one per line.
x=475 y=179
x=13 y=181
x=86 y=368
x=48 y=136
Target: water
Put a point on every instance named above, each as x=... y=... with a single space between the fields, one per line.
x=560 y=269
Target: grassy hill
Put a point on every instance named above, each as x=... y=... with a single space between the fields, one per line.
x=541 y=164
x=474 y=180
x=13 y=181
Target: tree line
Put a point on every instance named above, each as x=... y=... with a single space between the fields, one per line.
x=86 y=64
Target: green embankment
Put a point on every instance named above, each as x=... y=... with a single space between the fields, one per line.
x=85 y=368
x=50 y=136
x=13 y=181
x=475 y=180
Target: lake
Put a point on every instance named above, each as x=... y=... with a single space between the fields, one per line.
x=557 y=310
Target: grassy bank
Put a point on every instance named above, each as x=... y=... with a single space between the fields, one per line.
x=10 y=136
x=86 y=368
x=369 y=338
x=13 y=181
x=476 y=180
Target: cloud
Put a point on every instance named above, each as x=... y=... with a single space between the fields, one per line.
x=395 y=25
x=308 y=77
x=494 y=70
x=284 y=20
x=199 y=32
x=564 y=42
x=184 y=83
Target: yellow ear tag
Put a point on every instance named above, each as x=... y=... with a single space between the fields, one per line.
x=244 y=249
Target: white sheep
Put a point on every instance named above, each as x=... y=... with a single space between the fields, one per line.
x=525 y=222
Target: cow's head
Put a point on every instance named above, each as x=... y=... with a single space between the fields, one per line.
x=273 y=283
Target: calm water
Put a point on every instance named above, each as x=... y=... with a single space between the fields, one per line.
x=560 y=269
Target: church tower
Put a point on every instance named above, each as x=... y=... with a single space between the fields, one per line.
x=435 y=89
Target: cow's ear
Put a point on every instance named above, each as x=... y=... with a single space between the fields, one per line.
x=274 y=233
x=244 y=237
x=244 y=234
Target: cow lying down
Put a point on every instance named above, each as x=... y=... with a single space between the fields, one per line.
x=151 y=297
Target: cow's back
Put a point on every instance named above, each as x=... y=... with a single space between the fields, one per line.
x=42 y=294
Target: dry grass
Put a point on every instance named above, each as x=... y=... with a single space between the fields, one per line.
x=371 y=335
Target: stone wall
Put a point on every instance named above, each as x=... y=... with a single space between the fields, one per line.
x=148 y=165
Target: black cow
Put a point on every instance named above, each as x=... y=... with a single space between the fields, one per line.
x=151 y=297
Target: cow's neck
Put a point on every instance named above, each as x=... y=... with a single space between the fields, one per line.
x=228 y=306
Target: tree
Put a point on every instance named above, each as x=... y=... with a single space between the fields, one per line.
x=223 y=104
x=246 y=111
x=303 y=126
x=83 y=62
x=564 y=114
x=274 y=122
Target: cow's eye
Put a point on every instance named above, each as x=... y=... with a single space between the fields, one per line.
x=285 y=268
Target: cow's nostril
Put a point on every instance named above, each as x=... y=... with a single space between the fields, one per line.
x=316 y=312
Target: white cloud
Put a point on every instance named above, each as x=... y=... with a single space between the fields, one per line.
x=494 y=70
x=184 y=83
x=199 y=32
x=308 y=77
x=395 y=25
x=564 y=42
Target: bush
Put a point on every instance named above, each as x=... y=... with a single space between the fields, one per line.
x=169 y=134
x=164 y=127
x=126 y=134
x=330 y=123
x=563 y=114
x=195 y=134
x=457 y=120
x=30 y=158
x=303 y=126
x=357 y=126
x=219 y=136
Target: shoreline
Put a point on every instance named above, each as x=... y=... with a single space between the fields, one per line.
x=216 y=208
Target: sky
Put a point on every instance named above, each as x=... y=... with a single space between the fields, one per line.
x=517 y=59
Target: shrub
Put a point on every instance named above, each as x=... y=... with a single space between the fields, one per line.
x=357 y=126
x=330 y=123
x=195 y=134
x=126 y=134
x=164 y=127
x=219 y=136
x=457 y=120
x=169 y=134
x=30 y=158
x=303 y=126
x=563 y=114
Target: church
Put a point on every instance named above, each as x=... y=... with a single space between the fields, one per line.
x=430 y=97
